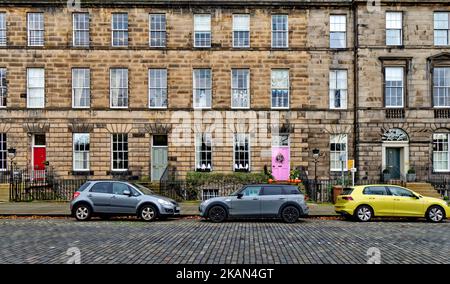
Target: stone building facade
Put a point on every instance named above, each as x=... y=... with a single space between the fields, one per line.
x=305 y=50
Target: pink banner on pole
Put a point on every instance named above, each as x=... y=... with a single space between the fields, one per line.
x=281 y=163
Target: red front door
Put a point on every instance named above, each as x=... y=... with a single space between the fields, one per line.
x=39 y=162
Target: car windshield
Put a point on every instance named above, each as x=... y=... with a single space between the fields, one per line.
x=143 y=189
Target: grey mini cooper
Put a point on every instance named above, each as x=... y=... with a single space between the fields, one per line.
x=257 y=201
x=106 y=198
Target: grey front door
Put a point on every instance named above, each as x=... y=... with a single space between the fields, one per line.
x=249 y=204
x=159 y=155
x=393 y=161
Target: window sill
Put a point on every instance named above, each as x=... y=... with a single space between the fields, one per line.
x=81 y=173
x=241 y=171
x=119 y=173
x=203 y=170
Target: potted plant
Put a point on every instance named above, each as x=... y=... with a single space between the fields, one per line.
x=386 y=175
x=411 y=175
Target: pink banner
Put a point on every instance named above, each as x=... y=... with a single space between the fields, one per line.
x=281 y=163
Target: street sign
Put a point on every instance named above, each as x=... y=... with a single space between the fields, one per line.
x=350 y=164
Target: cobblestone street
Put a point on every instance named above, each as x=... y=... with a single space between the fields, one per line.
x=195 y=241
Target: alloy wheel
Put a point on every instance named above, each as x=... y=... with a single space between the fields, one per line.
x=82 y=213
x=148 y=213
x=290 y=214
x=364 y=214
x=436 y=214
x=217 y=214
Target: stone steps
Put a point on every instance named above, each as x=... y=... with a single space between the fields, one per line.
x=423 y=188
x=4 y=192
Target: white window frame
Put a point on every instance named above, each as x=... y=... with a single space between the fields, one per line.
x=272 y=89
x=195 y=88
x=277 y=140
x=448 y=152
x=334 y=22
x=389 y=26
x=111 y=88
x=203 y=30
x=446 y=87
x=249 y=150
x=3 y=87
x=88 y=87
x=447 y=29
x=29 y=30
x=333 y=89
x=29 y=88
x=126 y=31
x=402 y=86
x=3 y=151
x=343 y=139
x=237 y=30
x=3 y=30
x=274 y=31
x=150 y=87
x=127 y=151
x=164 y=31
x=198 y=151
x=74 y=163
x=75 y=30
x=233 y=87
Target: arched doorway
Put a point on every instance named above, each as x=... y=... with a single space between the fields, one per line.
x=395 y=152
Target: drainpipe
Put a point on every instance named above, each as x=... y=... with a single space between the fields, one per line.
x=355 y=88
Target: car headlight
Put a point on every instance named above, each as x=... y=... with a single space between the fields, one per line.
x=164 y=202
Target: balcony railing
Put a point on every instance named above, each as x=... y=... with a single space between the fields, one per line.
x=442 y=113
x=395 y=113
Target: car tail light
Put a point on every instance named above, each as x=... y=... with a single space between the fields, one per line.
x=349 y=198
x=76 y=194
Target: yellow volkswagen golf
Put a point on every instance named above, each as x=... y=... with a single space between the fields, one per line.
x=382 y=200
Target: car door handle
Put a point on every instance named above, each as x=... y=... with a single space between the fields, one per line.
x=255 y=199
x=113 y=197
x=89 y=195
x=282 y=198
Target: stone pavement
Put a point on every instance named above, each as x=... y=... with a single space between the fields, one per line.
x=62 y=208
x=51 y=240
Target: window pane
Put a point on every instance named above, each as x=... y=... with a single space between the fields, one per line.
x=203 y=151
x=120 y=151
x=35 y=24
x=81 y=87
x=81 y=146
x=338 y=152
x=157 y=30
x=120 y=29
x=338 y=89
x=2 y=29
x=394 y=87
x=3 y=152
x=3 y=87
x=280 y=88
x=441 y=86
x=202 y=88
x=157 y=88
x=202 y=23
x=240 y=88
x=279 y=31
x=81 y=29
x=337 y=23
x=241 y=152
x=35 y=87
x=119 y=87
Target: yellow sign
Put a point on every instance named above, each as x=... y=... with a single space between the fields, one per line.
x=350 y=164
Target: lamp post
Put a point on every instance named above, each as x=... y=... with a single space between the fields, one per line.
x=11 y=156
x=316 y=156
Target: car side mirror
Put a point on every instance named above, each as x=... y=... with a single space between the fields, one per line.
x=417 y=196
x=127 y=192
x=239 y=196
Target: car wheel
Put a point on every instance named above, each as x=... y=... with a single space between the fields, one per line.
x=290 y=214
x=363 y=213
x=435 y=214
x=148 y=213
x=217 y=214
x=83 y=212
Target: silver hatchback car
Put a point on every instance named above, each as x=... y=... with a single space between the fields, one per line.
x=106 y=198
x=257 y=201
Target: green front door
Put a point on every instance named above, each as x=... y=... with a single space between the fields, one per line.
x=159 y=156
x=393 y=161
